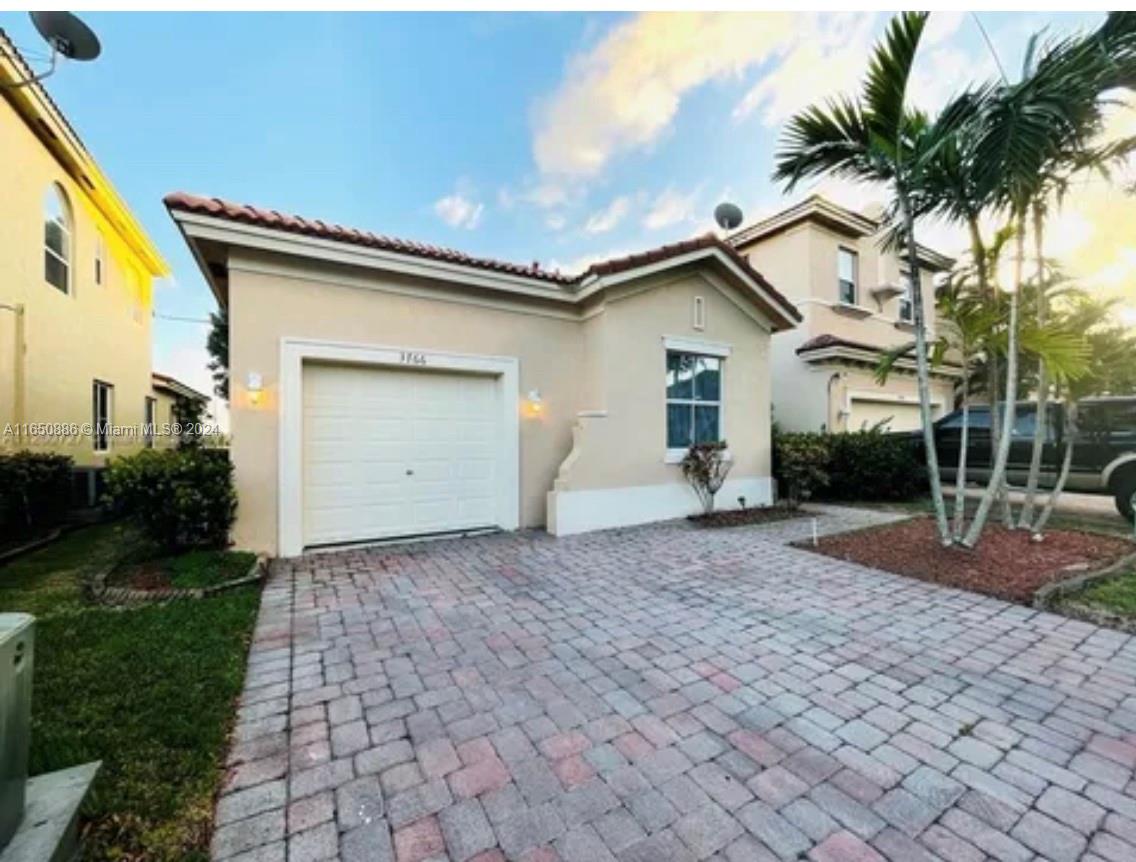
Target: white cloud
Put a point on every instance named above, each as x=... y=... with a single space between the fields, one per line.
x=459 y=211
x=609 y=217
x=671 y=208
x=824 y=55
x=555 y=221
x=625 y=91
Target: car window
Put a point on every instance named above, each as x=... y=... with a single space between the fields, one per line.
x=979 y=418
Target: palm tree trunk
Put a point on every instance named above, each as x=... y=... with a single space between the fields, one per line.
x=1070 y=440
x=1025 y=517
x=923 y=370
x=960 y=474
x=998 y=473
x=978 y=252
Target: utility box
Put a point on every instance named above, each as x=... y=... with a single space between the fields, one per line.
x=17 y=641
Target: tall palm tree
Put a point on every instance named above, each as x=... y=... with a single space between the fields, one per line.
x=1027 y=130
x=879 y=138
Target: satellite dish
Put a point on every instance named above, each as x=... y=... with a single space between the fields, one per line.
x=728 y=215
x=67 y=35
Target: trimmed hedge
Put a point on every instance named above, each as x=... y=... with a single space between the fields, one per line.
x=35 y=492
x=181 y=498
x=855 y=465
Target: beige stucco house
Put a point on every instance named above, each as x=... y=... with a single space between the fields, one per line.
x=385 y=388
x=855 y=303
x=75 y=289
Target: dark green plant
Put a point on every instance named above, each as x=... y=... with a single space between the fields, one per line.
x=217 y=344
x=180 y=497
x=705 y=467
x=189 y=413
x=854 y=465
x=800 y=465
x=35 y=492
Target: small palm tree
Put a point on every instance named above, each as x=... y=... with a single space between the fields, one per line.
x=878 y=138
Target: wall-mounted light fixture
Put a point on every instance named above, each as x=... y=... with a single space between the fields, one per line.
x=255 y=387
x=536 y=405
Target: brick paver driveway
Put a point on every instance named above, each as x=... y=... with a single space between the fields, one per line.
x=667 y=693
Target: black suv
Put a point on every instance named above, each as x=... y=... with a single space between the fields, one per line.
x=1104 y=454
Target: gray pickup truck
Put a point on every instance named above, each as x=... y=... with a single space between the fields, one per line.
x=1104 y=450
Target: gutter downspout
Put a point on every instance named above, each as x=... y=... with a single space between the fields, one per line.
x=18 y=405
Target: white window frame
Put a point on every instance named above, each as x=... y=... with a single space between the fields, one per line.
x=98 y=419
x=66 y=226
x=694 y=347
x=150 y=418
x=855 y=255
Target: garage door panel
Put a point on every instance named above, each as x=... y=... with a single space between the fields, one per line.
x=390 y=452
x=895 y=416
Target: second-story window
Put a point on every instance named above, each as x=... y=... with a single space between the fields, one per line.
x=57 y=239
x=906 y=299
x=847 y=266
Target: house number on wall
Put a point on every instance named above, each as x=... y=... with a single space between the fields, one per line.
x=411 y=358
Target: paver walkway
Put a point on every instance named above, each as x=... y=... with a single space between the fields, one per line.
x=668 y=693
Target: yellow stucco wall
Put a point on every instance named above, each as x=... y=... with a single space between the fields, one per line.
x=67 y=340
x=608 y=357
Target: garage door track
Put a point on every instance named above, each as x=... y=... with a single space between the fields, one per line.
x=670 y=693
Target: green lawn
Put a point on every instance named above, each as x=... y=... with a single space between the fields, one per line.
x=149 y=691
x=189 y=570
x=1116 y=594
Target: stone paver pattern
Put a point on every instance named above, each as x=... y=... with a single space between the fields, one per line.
x=670 y=693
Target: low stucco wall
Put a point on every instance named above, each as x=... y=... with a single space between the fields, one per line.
x=610 y=357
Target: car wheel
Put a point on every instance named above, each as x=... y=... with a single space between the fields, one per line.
x=1124 y=487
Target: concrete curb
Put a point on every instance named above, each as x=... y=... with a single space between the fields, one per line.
x=1051 y=593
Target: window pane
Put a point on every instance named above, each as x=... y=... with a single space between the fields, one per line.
x=707 y=380
x=679 y=431
x=54 y=238
x=55 y=271
x=706 y=424
x=1025 y=421
x=680 y=375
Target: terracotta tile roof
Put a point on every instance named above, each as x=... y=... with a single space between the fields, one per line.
x=276 y=220
x=185 y=202
x=828 y=340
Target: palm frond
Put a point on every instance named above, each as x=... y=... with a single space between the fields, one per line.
x=889 y=70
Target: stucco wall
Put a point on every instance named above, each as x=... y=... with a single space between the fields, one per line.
x=610 y=358
x=98 y=331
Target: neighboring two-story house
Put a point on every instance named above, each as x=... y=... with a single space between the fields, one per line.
x=75 y=287
x=855 y=301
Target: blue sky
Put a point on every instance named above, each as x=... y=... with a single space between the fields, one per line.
x=550 y=137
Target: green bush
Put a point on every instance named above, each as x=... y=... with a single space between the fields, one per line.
x=181 y=497
x=800 y=463
x=35 y=492
x=856 y=465
x=873 y=465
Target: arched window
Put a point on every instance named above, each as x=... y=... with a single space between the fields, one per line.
x=57 y=239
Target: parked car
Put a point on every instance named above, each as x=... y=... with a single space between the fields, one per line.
x=1104 y=451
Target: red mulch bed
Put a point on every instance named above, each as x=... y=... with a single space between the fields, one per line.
x=743 y=517
x=1005 y=564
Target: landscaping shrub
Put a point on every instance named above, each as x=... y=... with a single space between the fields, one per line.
x=800 y=463
x=35 y=492
x=856 y=465
x=180 y=497
x=705 y=467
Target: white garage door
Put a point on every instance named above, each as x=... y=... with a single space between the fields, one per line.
x=392 y=452
x=895 y=416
